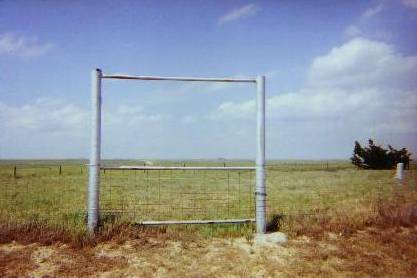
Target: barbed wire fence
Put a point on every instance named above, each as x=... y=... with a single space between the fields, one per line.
x=52 y=193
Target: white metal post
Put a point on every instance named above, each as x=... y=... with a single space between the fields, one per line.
x=400 y=171
x=260 y=191
x=94 y=166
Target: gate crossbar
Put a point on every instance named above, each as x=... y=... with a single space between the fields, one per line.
x=200 y=79
x=189 y=222
x=218 y=168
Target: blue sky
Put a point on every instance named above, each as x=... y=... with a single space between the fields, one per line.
x=335 y=73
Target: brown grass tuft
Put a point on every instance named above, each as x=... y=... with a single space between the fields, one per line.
x=85 y=262
x=36 y=232
x=396 y=213
x=41 y=233
x=400 y=210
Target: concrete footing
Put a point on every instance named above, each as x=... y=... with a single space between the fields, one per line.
x=270 y=240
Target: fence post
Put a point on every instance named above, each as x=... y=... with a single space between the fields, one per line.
x=399 y=175
x=60 y=170
x=15 y=172
x=94 y=165
x=260 y=191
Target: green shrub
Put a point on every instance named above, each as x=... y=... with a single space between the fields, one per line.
x=376 y=157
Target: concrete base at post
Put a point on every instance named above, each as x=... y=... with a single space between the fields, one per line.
x=270 y=240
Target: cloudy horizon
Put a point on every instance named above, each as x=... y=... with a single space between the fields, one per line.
x=334 y=73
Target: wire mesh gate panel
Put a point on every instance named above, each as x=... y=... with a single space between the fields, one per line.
x=179 y=196
x=95 y=166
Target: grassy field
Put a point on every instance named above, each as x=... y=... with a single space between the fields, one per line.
x=341 y=221
x=53 y=193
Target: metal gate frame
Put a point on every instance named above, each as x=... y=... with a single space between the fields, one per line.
x=95 y=157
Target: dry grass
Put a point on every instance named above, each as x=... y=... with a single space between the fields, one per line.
x=118 y=232
x=368 y=253
x=373 y=252
x=16 y=261
x=384 y=246
x=341 y=222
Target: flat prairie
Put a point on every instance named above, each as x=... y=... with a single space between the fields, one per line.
x=340 y=221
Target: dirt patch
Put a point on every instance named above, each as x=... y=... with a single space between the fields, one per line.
x=43 y=257
x=84 y=263
x=375 y=252
x=371 y=252
x=15 y=260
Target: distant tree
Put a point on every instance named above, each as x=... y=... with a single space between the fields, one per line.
x=400 y=156
x=358 y=154
x=376 y=157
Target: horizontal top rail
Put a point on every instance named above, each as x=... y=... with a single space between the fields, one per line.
x=201 y=79
x=178 y=168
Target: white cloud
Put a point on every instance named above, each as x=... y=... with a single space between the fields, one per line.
x=48 y=115
x=50 y=127
x=11 y=44
x=363 y=26
x=305 y=104
x=361 y=79
x=353 y=31
x=128 y=115
x=371 y=12
x=234 y=110
x=239 y=13
x=44 y=115
x=362 y=63
x=410 y=3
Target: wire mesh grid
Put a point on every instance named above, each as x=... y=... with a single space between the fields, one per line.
x=158 y=195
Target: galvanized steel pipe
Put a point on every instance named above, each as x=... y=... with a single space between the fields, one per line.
x=260 y=191
x=201 y=79
x=94 y=166
x=202 y=168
